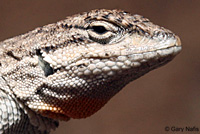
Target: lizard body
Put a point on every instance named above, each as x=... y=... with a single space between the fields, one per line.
x=70 y=69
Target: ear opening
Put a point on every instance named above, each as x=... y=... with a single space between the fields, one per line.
x=48 y=70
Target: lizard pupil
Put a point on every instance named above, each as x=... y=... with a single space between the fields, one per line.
x=99 y=29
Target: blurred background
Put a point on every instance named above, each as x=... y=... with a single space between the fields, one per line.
x=168 y=96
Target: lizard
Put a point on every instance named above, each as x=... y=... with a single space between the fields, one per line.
x=72 y=68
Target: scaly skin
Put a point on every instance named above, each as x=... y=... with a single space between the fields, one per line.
x=70 y=69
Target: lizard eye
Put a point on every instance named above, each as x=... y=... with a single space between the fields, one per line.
x=102 y=32
x=99 y=29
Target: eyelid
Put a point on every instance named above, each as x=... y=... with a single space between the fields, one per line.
x=105 y=35
x=108 y=26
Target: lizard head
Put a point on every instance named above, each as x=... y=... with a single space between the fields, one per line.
x=89 y=57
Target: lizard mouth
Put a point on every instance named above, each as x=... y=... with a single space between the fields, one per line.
x=129 y=59
x=96 y=59
x=132 y=57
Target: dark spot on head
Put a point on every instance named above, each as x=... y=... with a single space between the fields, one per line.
x=137 y=31
x=124 y=12
x=38 y=52
x=64 y=26
x=79 y=27
x=39 y=30
x=88 y=17
x=132 y=31
x=64 y=43
x=142 y=31
x=119 y=20
x=38 y=91
x=145 y=21
x=106 y=54
x=10 y=53
x=57 y=27
x=48 y=48
x=156 y=33
x=105 y=16
x=130 y=25
x=135 y=21
x=76 y=26
x=70 y=26
x=80 y=39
